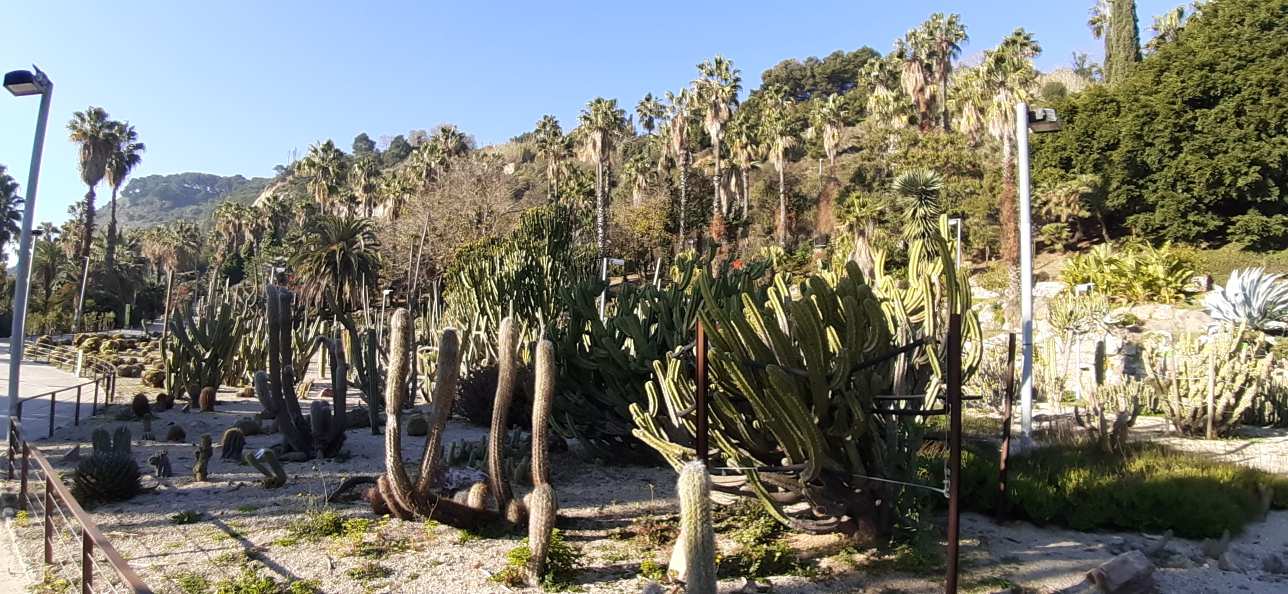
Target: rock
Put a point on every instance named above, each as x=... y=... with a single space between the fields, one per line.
x=1159 y=548
x=1213 y=549
x=249 y=426
x=1227 y=563
x=1047 y=289
x=1128 y=573
x=1275 y=564
x=417 y=425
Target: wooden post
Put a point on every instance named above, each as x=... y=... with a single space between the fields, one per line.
x=700 y=372
x=954 y=447
x=87 y=563
x=49 y=520
x=1008 y=391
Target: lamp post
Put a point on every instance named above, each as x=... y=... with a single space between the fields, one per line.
x=23 y=83
x=1038 y=121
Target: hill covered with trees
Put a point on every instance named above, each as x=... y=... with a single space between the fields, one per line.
x=156 y=199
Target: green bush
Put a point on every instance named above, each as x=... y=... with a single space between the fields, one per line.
x=1133 y=272
x=563 y=561
x=1149 y=488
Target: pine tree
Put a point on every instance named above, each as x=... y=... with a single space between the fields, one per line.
x=1122 y=40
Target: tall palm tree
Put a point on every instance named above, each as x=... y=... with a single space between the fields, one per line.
x=716 y=90
x=778 y=133
x=94 y=131
x=234 y=225
x=913 y=74
x=553 y=147
x=1167 y=27
x=364 y=179
x=1098 y=18
x=325 y=169
x=339 y=262
x=637 y=173
x=425 y=162
x=10 y=208
x=394 y=190
x=1008 y=75
x=826 y=120
x=945 y=35
x=47 y=260
x=883 y=107
x=125 y=156
x=602 y=123
x=649 y=110
x=969 y=97
x=677 y=135
x=747 y=150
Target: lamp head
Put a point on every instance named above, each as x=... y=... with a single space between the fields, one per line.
x=27 y=82
x=1044 y=120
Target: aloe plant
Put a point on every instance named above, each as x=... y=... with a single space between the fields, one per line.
x=1252 y=298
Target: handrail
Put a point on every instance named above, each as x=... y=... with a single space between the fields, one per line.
x=104 y=377
x=56 y=493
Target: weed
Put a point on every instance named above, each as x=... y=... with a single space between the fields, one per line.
x=51 y=583
x=369 y=571
x=249 y=581
x=563 y=561
x=22 y=518
x=304 y=587
x=231 y=558
x=464 y=536
x=762 y=550
x=247 y=509
x=191 y=582
x=187 y=517
x=653 y=532
x=312 y=527
x=652 y=570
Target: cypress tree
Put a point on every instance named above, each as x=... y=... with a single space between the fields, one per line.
x=1122 y=40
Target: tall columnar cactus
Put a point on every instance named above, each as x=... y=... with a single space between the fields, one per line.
x=1123 y=401
x=202 y=343
x=795 y=377
x=281 y=373
x=542 y=504
x=202 y=464
x=206 y=401
x=542 y=509
x=329 y=436
x=506 y=353
x=394 y=492
x=265 y=397
x=693 y=561
x=1221 y=374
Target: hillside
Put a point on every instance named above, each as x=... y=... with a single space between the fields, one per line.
x=155 y=199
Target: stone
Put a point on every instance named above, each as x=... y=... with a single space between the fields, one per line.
x=1128 y=573
x=1275 y=564
x=1047 y=289
x=417 y=425
x=1227 y=563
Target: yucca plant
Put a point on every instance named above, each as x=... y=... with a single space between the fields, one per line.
x=1252 y=298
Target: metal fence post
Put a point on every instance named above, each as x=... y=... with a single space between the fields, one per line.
x=53 y=397
x=76 y=415
x=80 y=361
x=49 y=521
x=22 y=482
x=87 y=563
x=13 y=447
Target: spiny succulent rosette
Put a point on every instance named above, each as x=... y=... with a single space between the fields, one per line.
x=796 y=369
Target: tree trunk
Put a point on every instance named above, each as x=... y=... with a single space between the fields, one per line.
x=109 y=257
x=1008 y=208
x=684 y=195
x=600 y=221
x=746 y=195
x=943 y=97
x=782 y=209
x=87 y=225
x=717 y=203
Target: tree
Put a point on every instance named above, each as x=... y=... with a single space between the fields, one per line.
x=677 y=135
x=451 y=140
x=126 y=154
x=94 y=131
x=778 y=133
x=602 y=123
x=325 y=169
x=1167 y=27
x=47 y=260
x=553 y=147
x=827 y=118
x=716 y=90
x=363 y=145
x=1122 y=40
x=649 y=110
x=364 y=180
x=10 y=208
x=1007 y=75
x=394 y=190
x=397 y=150
x=746 y=149
x=919 y=190
x=944 y=35
x=339 y=262
x=914 y=74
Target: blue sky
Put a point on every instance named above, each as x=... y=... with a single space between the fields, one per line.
x=233 y=86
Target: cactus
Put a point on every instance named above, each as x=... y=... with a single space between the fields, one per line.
x=319 y=417
x=265 y=399
x=160 y=462
x=281 y=374
x=249 y=426
x=793 y=374
x=106 y=477
x=147 y=429
x=206 y=401
x=140 y=406
x=202 y=345
x=542 y=508
x=266 y=462
x=328 y=430
x=175 y=434
x=1223 y=374
x=202 y=456
x=164 y=402
x=543 y=399
x=102 y=441
x=476 y=497
x=693 y=561
x=1124 y=401
x=363 y=350
x=506 y=353
x=121 y=441
x=232 y=444
x=467 y=453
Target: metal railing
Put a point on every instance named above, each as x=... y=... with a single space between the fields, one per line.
x=70 y=536
x=102 y=374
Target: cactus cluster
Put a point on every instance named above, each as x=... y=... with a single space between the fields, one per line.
x=1111 y=409
x=110 y=472
x=466 y=453
x=1220 y=373
x=795 y=373
x=203 y=341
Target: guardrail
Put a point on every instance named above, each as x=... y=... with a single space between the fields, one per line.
x=54 y=503
x=103 y=379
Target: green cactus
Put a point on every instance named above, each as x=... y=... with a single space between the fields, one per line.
x=794 y=380
x=202 y=459
x=203 y=343
x=542 y=400
x=1222 y=373
x=121 y=441
x=106 y=477
x=232 y=444
x=281 y=391
x=542 y=510
x=102 y=441
x=498 y=484
x=266 y=462
x=1123 y=401
x=693 y=561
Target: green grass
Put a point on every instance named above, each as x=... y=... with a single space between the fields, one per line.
x=1149 y=488
x=1220 y=261
x=191 y=582
x=762 y=549
x=369 y=571
x=563 y=561
x=187 y=517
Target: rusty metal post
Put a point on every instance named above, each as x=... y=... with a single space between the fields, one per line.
x=76 y=413
x=1004 y=456
x=700 y=379
x=22 y=482
x=954 y=448
x=13 y=447
x=49 y=520
x=87 y=563
x=53 y=397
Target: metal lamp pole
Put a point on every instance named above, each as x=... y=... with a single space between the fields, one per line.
x=1040 y=121
x=22 y=83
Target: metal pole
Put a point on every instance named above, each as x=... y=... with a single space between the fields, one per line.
x=80 y=303
x=700 y=372
x=954 y=447
x=1026 y=267
x=22 y=480
x=76 y=415
x=87 y=563
x=603 y=275
x=1008 y=391
x=49 y=520
x=53 y=398
x=22 y=279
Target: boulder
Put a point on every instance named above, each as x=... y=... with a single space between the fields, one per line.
x=1128 y=573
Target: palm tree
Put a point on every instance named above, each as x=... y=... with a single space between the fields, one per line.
x=919 y=189
x=913 y=75
x=234 y=224
x=425 y=162
x=326 y=172
x=747 y=151
x=637 y=173
x=882 y=105
x=602 y=123
x=778 y=133
x=339 y=262
x=451 y=140
x=969 y=98
x=47 y=260
x=364 y=179
x=10 y=208
x=677 y=135
x=861 y=213
x=945 y=35
x=716 y=90
x=553 y=147
x=649 y=110
x=1008 y=74
x=394 y=190
x=94 y=131
x=826 y=120
x=1167 y=27
x=124 y=157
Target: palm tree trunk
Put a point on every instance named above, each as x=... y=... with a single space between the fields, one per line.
x=717 y=204
x=109 y=257
x=600 y=221
x=1008 y=208
x=684 y=197
x=943 y=98
x=782 y=208
x=87 y=225
x=746 y=194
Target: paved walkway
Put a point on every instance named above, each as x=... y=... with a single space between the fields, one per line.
x=40 y=379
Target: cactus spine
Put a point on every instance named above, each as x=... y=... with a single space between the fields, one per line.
x=204 y=452
x=506 y=354
x=694 y=558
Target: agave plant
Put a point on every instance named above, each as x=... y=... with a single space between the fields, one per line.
x=1252 y=298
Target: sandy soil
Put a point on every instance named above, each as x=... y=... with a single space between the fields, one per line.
x=598 y=505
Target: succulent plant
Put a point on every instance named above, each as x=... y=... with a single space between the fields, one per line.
x=231 y=444
x=140 y=406
x=202 y=457
x=206 y=401
x=542 y=510
x=1252 y=298
x=266 y=462
x=175 y=433
x=106 y=477
x=693 y=560
x=1208 y=383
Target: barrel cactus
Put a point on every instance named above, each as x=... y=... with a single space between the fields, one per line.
x=110 y=472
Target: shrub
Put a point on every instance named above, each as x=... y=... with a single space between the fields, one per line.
x=1133 y=272
x=1148 y=488
x=563 y=561
x=477 y=392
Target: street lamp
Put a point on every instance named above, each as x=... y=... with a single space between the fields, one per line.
x=1038 y=121
x=23 y=83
